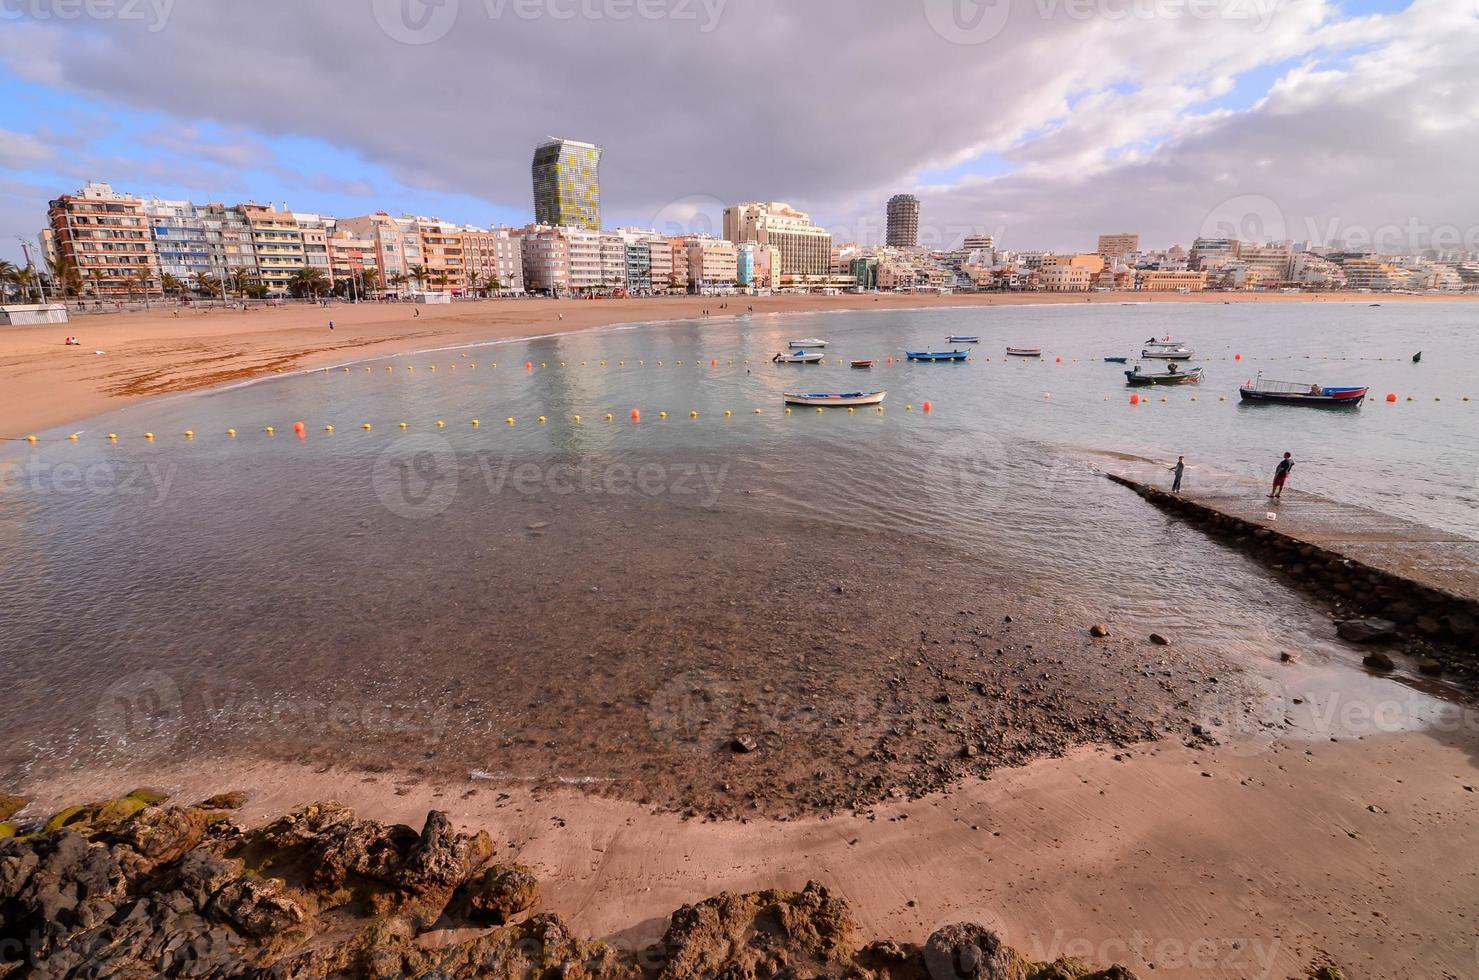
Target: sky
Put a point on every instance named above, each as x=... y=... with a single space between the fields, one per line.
x=1042 y=122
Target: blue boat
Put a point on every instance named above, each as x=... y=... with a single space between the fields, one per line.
x=953 y=339
x=1115 y=360
x=937 y=355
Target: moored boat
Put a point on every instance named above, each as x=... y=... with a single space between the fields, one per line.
x=954 y=339
x=799 y=357
x=1168 y=352
x=937 y=355
x=1136 y=378
x=862 y=363
x=1262 y=389
x=1115 y=360
x=808 y=342
x=835 y=399
x=1024 y=351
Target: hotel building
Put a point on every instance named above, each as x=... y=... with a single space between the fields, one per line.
x=1119 y=245
x=805 y=248
x=105 y=236
x=903 y=221
x=567 y=186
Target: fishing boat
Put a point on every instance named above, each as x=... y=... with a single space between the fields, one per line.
x=1168 y=351
x=862 y=363
x=835 y=399
x=954 y=339
x=808 y=342
x=1135 y=378
x=1116 y=360
x=798 y=357
x=1024 y=351
x=1262 y=389
x=937 y=355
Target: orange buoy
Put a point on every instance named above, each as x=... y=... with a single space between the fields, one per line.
x=636 y=415
x=927 y=406
x=1237 y=357
x=1391 y=396
x=528 y=365
x=713 y=362
x=298 y=429
x=1135 y=399
x=1057 y=360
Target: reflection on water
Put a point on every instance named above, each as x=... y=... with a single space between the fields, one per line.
x=266 y=560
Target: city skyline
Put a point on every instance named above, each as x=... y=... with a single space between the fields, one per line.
x=1246 y=140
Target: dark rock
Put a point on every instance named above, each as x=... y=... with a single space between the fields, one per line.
x=1159 y=640
x=161 y=835
x=970 y=952
x=1099 y=630
x=498 y=894
x=743 y=744
x=1286 y=657
x=233 y=800
x=1430 y=667
x=1378 y=661
x=256 y=906
x=1366 y=630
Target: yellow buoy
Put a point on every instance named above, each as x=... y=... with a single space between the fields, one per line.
x=441 y=424
x=577 y=418
x=662 y=415
x=366 y=427
x=405 y=425
x=693 y=415
x=433 y=367
x=562 y=364
x=73 y=436
x=849 y=409
x=31 y=439
x=328 y=428
x=727 y=413
x=543 y=365
x=788 y=410
x=494 y=364
x=476 y=423
x=543 y=419
x=229 y=432
x=269 y=430
x=758 y=411
x=113 y=436
x=908 y=408
x=509 y=420
x=609 y=417
x=189 y=433
x=149 y=436
x=819 y=410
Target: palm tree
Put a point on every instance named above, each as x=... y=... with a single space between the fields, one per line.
x=169 y=284
x=9 y=274
x=398 y=280
x=308 y=281
x=442 y=278
x=494 y=284
x=64 y=275
x=25 y=280
x=206 y=284
x=418 y=274
x=369 y=280
x=241 y=281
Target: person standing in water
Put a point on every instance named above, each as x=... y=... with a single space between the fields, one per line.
x=1281 y=473
x=1178 y=469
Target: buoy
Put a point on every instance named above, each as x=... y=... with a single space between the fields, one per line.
x=31 y=440
x=788 y=411
x=727 y=413
x=636 y=415
x=908 y=408
x=610 y=417
x=1222 y=398
x=494 y=364
x=542 y=419
x=1391 y=396
x=149 y=436
x=366 y=427
x=328 y=428
x=543 y=364
x=562 y=364
x=441 y=424
x=819 y=410
x=577 y=419
x=680 y=363
x=662 y=415
x=229 y=432
x=849 y=409
x=1135 y=399
x=927 y=406
x=269 y=430
x=1164 y=398
x=1193 y=397
x=621 y=363
x=298 y=428
x=693 y=415
x=433 y=367
x=113 y=436
x=73 y=436
x=1047 y=396
x=1057 y=360
x=1411 y=398
x=757 y=411
x=1237 y=357
x=713 y=362
x=509 y=420
x=405 y=425
x=475 y=423
x=528 y=365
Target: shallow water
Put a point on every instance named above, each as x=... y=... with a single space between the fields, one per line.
x=268 y=561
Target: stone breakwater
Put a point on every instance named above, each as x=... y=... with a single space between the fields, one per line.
x=1438 y=627
x=133 y=887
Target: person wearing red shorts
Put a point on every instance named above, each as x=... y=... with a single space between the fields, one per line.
x=1281 y=473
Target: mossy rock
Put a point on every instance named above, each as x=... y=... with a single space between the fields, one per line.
x=150 y=795
x=95 y=816
x=7 y=830
x=233 y=800
x=11 y=805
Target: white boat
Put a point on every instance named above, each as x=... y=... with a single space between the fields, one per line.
x=809 y=342
x=1168 y=352
x=799 y=357
x=837 y=399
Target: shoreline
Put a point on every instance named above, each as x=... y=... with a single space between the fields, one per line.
x=1069 y=856
x=156 y=352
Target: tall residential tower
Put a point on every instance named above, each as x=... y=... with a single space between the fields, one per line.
x=903 y=221
x=567 y=186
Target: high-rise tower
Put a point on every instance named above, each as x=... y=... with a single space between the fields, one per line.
x=903 y=221
x=567 y=186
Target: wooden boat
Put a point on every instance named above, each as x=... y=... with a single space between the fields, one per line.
x=1116 y=360
x=937 y=355
x=1168 y=352
x=953 y=339
x=808 y=342
x=1299 y=393
x=862 y=364
x=1135 y=378
x=799 y=357
x=835 y=399
x=1024 y=351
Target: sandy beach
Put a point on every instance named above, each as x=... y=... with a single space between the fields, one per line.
x=45 y=385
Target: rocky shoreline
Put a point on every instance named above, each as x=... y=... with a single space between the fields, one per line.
x=136 y=887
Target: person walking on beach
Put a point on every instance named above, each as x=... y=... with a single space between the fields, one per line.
x=331 y=326
x=1281 y=473
x=1178 y=469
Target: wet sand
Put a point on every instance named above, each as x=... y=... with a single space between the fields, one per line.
x=1237 y=861
x=44 y=384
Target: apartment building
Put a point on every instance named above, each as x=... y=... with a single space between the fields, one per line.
x=613 y=261
x=494 y=260
x=805 y=248
x=1119 y=245
x=1173 y=280
x=277 y=243
x=389 y=236
x=314 y=230
x=545 y=255
x=353 y=257
x=105 y=236
x=182 y=242
x=712 y=264
x=902 y=228
x=758 y=266
x=678 y=252
x=567 y=184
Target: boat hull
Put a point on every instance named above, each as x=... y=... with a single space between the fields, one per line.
x=1024 y=352
x=809 y=342
x=1167 y=355
x=862 y=364
x=835 y=399
x=949 y=355
x=1328 y=398
x=1115 y=360
x=1140 y=380
x=962 y=340
x=797 y=358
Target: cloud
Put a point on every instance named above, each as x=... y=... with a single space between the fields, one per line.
x=1104 y=110
x=21 y=150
